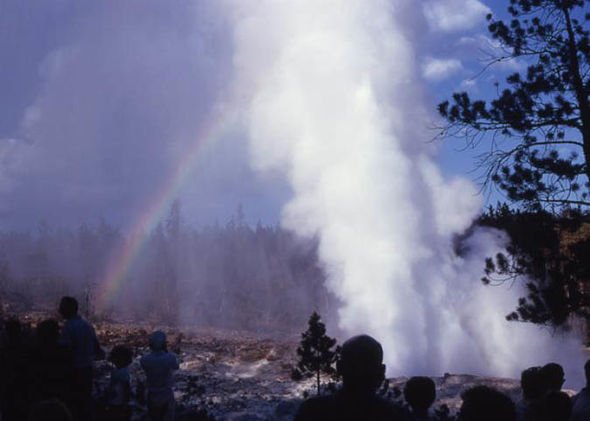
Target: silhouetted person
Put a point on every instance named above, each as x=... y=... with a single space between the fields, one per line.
x=553 y=377
x=14 y=372
x=557 y=406
x=159 y=366
x=362 y=370
x=482 y=403
x=532 y=385
x=51 y=365
x=420 y=394
x=581 y=402
x=79 y=337
x=119 y=391
x=50 y=410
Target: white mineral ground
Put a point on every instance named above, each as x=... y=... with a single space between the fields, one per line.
x=243 y=376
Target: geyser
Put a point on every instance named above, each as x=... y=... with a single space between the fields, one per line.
x=332 y=99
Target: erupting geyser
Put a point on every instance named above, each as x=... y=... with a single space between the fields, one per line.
x=333 y=101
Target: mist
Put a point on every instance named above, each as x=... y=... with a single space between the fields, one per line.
x=104 y=99
x=330 y=138
x=334 y=101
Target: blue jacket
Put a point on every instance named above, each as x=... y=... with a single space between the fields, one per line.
x=79 y=336
x=158 y=367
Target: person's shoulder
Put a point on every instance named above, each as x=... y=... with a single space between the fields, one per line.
x=172 y=360
x=318 y=407
x=582 y=396
x=76 y=322
x=120 y=375
x=87 y=325
x=389 y=409
x=336 y=407
x=144 y=359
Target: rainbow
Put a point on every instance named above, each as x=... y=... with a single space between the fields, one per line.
x=118 y=267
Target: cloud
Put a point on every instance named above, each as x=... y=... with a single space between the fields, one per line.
x=454 y=15
x=436 y=70
x=119 y=99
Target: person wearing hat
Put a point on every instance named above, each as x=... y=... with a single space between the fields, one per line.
x=159 y=366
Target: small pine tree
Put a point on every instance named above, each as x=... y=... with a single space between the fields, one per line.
x=317 y=352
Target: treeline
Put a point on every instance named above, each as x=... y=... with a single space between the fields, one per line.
x=549 y=252
x=232 y=275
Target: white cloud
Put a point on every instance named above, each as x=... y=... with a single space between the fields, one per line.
x=439 y=69
x=454 y=15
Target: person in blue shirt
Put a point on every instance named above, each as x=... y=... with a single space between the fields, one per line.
x=79 y=337
x=159 y=366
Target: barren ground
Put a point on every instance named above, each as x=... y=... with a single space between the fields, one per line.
x=243 y=376
x=236 y=375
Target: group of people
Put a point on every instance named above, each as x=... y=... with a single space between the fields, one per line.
x=48 y=375
x=362 y=370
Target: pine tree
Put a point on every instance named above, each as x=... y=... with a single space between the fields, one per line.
x=317 y=352
x=537 y=129
x=536 y=138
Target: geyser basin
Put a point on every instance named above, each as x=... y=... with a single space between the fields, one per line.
x=333 y=101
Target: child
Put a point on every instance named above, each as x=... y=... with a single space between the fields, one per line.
x=420 y=394
x=158 y=366
x=119 y=391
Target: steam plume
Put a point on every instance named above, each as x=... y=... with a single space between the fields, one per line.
x=334 y=103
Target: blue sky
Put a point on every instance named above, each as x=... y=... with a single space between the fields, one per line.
x=99 y=98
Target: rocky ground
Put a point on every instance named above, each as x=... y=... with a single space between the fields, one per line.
x=242 y=376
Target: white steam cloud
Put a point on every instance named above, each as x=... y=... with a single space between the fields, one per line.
x=333 y=98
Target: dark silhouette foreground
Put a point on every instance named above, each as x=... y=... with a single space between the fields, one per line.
x=48 y=376
x=420 y=394
x=482 y=403
x=581 y=402
x=362 y=370
x=79 y=338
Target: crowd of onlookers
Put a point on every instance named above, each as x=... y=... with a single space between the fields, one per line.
x=48 y=375
x=362 y=370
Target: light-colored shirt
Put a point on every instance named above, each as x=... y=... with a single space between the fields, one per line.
x=158 y=367
x=119 y=386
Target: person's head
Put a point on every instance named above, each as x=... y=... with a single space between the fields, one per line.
x=48 y=332
x=68 y=307
x=121 y=356
x=361 y=364
x=531 y=383
x=587 y=372
x=482 y=403
x=157 y=341
x=557 y=406
x=553 y=377
x=420 y=393
x=50 y=410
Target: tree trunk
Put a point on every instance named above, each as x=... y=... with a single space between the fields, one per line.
x=318 y=380
x=579 y=89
